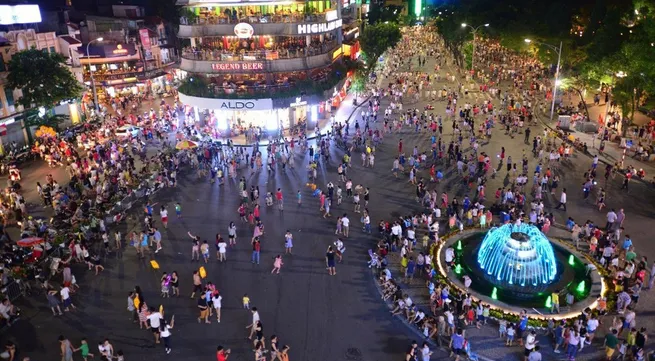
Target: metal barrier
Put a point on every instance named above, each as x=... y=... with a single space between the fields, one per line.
x=12 y=290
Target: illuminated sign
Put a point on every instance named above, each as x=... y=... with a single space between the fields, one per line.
x=243 y=30
x=19 y=14
x=319 y=28
x=337 y=53
x=331 y=15
x=119 y=50
x=145 y=38
x=237 y=66
x=298 y=103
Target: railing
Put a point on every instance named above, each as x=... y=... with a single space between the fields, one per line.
x=219 y=55
x=258 y=19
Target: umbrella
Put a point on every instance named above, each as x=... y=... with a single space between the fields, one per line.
x=29 y=242
x=186 y=144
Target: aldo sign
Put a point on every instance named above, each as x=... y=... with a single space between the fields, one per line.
x=227 y=104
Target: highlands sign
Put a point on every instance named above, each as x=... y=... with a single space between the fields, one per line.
x=319 y=28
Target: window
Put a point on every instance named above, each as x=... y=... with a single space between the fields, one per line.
x=9 y=94
x=3 y=67
x=52 y=49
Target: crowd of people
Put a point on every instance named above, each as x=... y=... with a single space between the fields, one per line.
x=523 y=88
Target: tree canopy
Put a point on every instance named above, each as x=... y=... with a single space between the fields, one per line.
x=377 y=38
x=43 y=77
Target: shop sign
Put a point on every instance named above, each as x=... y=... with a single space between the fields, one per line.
x=243 y=30
x=331 y=15
x=253 y=104
x=145 y=38
x=238 y=66
x=298 y=103
x=119 y=50
x=319 y=28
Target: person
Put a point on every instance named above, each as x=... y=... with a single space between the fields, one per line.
x=611 y=342
x=554 y=302
x=165 y=333
x=255 y=319
x=204 y=309
x=84 y=350
x=330 y=261
x=530 y=343
x=457 y=344
x=535 y=355
x=66 y=349
x=155 y=322
x=277 y=264
x=53 y=302
x=425 y=352
x=222 y=354
x=216 y=301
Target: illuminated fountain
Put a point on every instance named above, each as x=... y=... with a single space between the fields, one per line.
x=518 y=257
x=518 y=266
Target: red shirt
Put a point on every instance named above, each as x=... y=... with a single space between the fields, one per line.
x=278 y=196
x=220 y=356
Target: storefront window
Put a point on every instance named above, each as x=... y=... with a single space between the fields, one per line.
x=9 y=94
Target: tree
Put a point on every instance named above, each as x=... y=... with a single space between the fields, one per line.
x=358 y=84
x=377 y=38
x=43 y=77
x=45 y=82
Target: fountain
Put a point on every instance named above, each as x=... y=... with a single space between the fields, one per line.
x=518 y=257
x=518 y=266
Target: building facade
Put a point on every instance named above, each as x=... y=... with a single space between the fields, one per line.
x=134 y=56
x=262 y=64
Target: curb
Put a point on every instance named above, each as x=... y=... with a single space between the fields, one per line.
x=415 y=330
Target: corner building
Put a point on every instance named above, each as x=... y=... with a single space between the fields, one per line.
x=260 y=66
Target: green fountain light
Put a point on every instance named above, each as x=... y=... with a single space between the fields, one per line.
x=549 y=302
x=581 y=287
x=571 y=260
x=494 y=293
x=458 y=268
x=459 y=245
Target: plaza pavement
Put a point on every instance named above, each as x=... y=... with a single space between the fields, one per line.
x=320 y=317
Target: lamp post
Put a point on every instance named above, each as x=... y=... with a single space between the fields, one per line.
x=93 y=83
x=559 y=58
x=473 y=31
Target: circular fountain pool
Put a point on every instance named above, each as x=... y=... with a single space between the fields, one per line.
x=519 y=266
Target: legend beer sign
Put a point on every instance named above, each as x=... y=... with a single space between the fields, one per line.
x=319 y=28
x=240 y=67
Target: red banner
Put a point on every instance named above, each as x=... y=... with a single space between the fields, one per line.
x=145 y=38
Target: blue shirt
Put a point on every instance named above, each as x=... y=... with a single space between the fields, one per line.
x=458 y=341
x=627 y=243
x=524 y=323
x=410 y=267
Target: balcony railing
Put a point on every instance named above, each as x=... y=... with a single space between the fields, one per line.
x=259 y=19
x=221 y=55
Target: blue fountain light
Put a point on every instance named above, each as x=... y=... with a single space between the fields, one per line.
x=518 y=256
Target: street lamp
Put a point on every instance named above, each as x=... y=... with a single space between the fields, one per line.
x=93 y=84
x=473 y=31
x=559 y=58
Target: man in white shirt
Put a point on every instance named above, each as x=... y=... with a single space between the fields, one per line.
x=155 y=322
x=345 y=224
x=562 y=200
x=530 y=343
x=66 y=298
x=611 y=218
x=253 y=325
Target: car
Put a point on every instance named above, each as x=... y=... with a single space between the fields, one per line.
x=127 y=131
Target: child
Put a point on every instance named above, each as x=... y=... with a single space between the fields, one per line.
x=299 y=195
x=204 y=249
x=339 y=195
x=502 y=328
x=120 y=356
x=623 y=349
x=246 y=302
x=510 y=335
x=84 y=347
x=277 y=264
x=178 y=210
x=426 y=239
x=164 y=285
